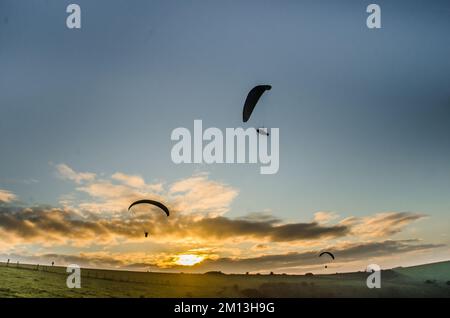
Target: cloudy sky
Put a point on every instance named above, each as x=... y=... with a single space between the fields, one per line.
x=86 y=117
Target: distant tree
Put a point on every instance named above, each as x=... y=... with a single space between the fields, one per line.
x=214 y=273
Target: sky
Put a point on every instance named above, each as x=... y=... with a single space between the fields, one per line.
x=86 y=117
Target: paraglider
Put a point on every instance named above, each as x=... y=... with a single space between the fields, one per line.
x=252 y=99
x=332 y=256
x=151 y=202
x=250 y=103
x=328 y=253
x=262 y=131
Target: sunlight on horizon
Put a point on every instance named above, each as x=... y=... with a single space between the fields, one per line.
x=189 y=259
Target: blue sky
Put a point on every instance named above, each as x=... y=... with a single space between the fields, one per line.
x=364 y=115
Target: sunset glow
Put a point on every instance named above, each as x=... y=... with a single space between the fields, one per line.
x=189 y=259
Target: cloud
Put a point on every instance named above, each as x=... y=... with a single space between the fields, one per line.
x=95 y=215
x=48 y=225
x=7 y=196
x=30 y=181
x=224 y=228
x=260 y=217
x=196 y=215
x=132 y=181
x=299 y=261
x=136 y=181
x=193 y=195
x=381 y=224
x=107 y=197
x=200 y=195
x=259 y=247
x=209 y=200
x=278 y=262
x=54 y=225
x=325 y=217
x=66 y=172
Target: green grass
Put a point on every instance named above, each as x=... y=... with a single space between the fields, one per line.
x=436 y=271
x=26 y=281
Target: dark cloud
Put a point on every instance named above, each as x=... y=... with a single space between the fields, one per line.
x=382 y=224
x=260 y=217
x=51 y=224
x=222 y=228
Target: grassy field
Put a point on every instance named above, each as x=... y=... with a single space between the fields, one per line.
x=431 y=280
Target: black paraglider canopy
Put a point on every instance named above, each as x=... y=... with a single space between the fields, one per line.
x=151 y=202
x=252 y=99
x=332 y=256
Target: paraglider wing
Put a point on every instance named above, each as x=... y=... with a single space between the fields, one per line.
x=152 y=202
x=252 y=99
x=332 y=256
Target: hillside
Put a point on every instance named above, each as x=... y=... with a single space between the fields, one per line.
x=430 y=280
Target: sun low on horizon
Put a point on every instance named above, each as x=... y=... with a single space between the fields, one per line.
x=188 y=259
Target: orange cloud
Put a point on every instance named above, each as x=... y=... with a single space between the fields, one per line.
x=200 y=195
x=193 y=195
x=325 y=217
x=7 y=196
x=381 y=224
x=66 y=172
